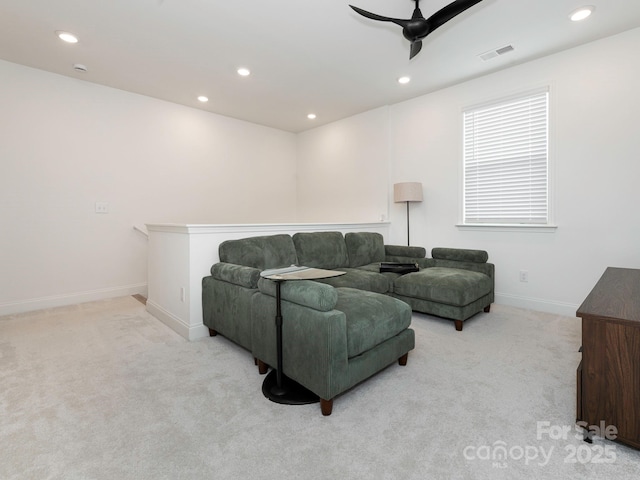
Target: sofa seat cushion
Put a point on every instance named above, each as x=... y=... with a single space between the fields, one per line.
x=371 y=318
x=361 y=279
x=451 y=286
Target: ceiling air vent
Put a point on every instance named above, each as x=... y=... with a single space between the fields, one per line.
x=496 y=53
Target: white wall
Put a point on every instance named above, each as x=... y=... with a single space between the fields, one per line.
x=66 y=144
x=343 y=170
x=594 y=161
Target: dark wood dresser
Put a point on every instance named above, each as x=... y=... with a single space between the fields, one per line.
x=608 y=381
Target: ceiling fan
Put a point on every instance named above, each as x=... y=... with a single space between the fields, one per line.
x=418 y=27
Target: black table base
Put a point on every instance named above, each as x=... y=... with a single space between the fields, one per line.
x=288 y=392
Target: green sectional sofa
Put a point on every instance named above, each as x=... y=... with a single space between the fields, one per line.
x=341 y=330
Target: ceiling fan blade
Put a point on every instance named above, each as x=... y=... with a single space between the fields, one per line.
x=445 y=14
x=415 y=48
x=373 y=16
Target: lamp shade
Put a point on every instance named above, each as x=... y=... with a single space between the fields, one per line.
x=407 y=192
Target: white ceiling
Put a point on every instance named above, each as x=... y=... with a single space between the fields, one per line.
x=305 y=55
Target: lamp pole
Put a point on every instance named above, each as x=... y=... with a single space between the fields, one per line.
x=408 y=242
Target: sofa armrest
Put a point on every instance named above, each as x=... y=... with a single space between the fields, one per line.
x=426 y=262
x=403 y=253
x=318 y=296
x=460 y=255
x=236 y=274
x=464 y=259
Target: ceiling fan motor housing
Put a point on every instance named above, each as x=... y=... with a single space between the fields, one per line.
x=416 y=29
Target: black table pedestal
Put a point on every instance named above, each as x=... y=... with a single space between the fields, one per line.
x=288 y=392
x=277 y=387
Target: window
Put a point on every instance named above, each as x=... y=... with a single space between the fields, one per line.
x=506 y=162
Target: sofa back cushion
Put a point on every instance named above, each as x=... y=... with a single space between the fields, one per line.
x=270 y=251
x=364 y=248
x=321 y=249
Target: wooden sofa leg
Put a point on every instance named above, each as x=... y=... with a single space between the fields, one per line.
x=262 y=367
x=403 y=359
x=487 y=309
x=326 y=406
x=458 y=325
x=212 y=332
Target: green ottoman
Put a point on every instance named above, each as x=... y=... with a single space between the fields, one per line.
x=447 y=292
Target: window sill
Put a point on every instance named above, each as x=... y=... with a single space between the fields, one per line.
x=495 y=227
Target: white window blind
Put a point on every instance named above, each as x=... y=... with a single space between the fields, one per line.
x=506 y=161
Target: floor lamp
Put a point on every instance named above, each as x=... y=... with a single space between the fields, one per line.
x=407 y=192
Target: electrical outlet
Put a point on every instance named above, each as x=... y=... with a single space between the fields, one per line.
x=524 y=276
x=102 y=207
x=182 y=294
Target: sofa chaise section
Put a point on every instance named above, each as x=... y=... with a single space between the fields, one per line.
x=333 y=338
x=455 y=284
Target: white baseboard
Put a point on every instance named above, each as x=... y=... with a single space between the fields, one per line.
x=29 y=305
x=176 y=324
x=540 y=305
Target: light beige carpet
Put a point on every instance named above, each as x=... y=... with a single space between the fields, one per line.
x=104 y=391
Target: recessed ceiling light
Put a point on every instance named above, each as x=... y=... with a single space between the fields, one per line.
x=404 y=80
x=203 y=99
x=78 y=67
x=582 y=13
x=244 y=72
x=67 y=37
x=311 y=116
